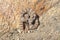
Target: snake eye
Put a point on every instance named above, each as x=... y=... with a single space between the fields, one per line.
x=42 y=8
x=29 y=16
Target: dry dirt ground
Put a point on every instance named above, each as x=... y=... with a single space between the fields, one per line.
x=49 y=28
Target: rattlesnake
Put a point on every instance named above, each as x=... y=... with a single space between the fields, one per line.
x=11 y=11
